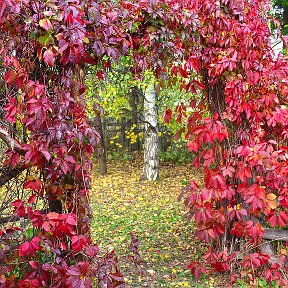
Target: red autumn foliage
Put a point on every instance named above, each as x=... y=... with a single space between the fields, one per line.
x=238 y=129
x=29 y=248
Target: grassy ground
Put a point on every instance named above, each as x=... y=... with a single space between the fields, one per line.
x=121 y=203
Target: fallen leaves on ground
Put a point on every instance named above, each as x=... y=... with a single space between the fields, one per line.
x=122 y=204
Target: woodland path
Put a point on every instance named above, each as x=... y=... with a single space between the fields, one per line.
x=121 y=203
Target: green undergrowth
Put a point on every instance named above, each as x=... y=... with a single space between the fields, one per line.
x=123 y=204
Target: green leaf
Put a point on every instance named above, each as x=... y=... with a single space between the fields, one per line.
x=46 y=40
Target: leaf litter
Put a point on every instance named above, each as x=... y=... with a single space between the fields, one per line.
x=123 y=204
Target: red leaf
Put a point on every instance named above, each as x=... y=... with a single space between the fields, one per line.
x=220 y=266
x=35 y=243
x=199 y=84
x=19 y=207
x=100 y=75
x=195 y=63
x=71 y=219
x=74 y=271
x=70 y=18
x=192 y=146
x=11 y=108
x=24 y=248
x=34 y=184
x=174 y=70
x=45 y=24
x=196 y=162
x=53 y=216
x=9 y=77
x=243 y=173
x=228 y=171
x=183 y=73
x=46 y=154
x=29 y=248
x=196 y=269
x=179 y=118
x=238 y=229
x=283 y=218
x=168 y=116
x=272 y=219
x=209 y=157
x=34 y=264
x=46 y=226
x=49 y=57
x=32 y=199
x=78 y=242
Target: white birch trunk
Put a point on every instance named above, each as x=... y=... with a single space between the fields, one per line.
x=151 y=145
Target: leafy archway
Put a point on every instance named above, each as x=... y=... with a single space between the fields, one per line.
x=221 y=48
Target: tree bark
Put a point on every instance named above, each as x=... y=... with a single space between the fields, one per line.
x=151 y=145
x=275 y=234
x=133 y=103
x=11 y=142
x=101 y=151
x=7 y=174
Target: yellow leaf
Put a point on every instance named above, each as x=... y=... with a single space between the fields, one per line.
x=271 y=196
x=272 y=204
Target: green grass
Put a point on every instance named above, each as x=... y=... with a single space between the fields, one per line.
x=121 y=203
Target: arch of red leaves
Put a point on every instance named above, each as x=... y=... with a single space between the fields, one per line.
x=221 y=49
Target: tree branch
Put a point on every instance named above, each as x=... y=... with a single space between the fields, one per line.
x=275 y=234
x=9 y=173
x=11 y=142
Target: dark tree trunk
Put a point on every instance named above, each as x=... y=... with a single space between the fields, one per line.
x=275 y=234
x=55 y=206
x=134 y=110
x=122 y=131
x=101 y=151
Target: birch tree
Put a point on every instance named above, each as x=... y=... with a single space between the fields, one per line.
x=151 y=145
